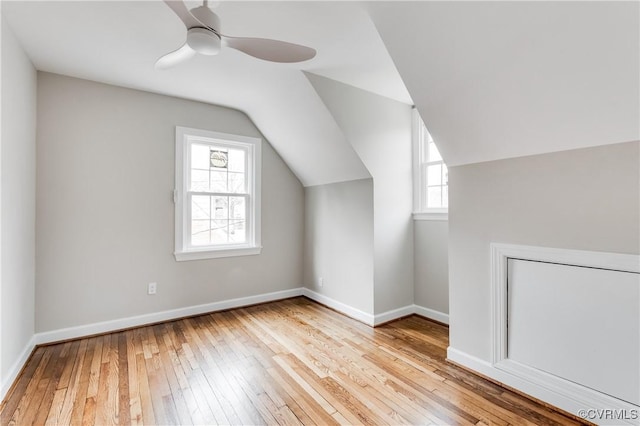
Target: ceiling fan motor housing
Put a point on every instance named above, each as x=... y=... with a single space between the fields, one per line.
x=203 y=41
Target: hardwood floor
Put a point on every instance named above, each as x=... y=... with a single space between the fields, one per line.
x=287 y=362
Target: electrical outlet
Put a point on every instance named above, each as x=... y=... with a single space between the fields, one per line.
x=151 y=288
x=320 y=282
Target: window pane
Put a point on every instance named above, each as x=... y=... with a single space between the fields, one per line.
x=220 y=231
x=445 y=174
x=199 y=156
x=218 y=169
x=236 y=160
x=434 y=154
x=236 y=182
x=237 y=231
x=218 y=158
x=237 y=222
x=237 y=208
x=200 y=207
x=220 y=206
x=434 y=197
x=445 y=196
x=200 y=232
x=434 y=175
x=218 y=180
x=199 y=180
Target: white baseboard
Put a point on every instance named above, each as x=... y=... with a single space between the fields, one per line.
x=139 y=320
x=393 y=314
x=374 y=320
x=431 y=313
x=17 y=366
x=568 y=396
x=409 y=310
x=343 y=308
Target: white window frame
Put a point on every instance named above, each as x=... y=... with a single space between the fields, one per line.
x=185 y=137
x=421 y=211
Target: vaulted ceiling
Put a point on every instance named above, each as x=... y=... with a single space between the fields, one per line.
x=506 y=79
x=491 y=79
x=118 y=43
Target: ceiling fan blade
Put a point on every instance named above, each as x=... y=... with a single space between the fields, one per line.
x=206 y=18
x=180 y=9
x=271 y=50
x=174 y=58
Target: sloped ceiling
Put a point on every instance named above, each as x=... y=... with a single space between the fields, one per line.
x=491 y=79
x=118 y=43
x=505 y=79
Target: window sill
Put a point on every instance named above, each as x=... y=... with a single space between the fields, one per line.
x=182 y=256
x=441 y=216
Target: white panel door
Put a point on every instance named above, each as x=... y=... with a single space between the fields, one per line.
x=578 y=323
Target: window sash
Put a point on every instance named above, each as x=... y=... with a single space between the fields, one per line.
x=422 y=139
x=188 y=237
x=189 y=222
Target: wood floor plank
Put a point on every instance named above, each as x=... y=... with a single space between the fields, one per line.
x=306 y=410
x=94 y=373
x=54 y=414
x=163 y=405
x=209 y=380
x=348 y=366
x=49 y=392
x=289 y=362
x=146 y=403
x=104 y=392
x=541 y=415
x=135 y=404
x=310 y=384
x=454 y=391
x=73 y=386
x=194 y=395
x=78 y=405
x=175 y=390
x=15 y=407
x=124 y=398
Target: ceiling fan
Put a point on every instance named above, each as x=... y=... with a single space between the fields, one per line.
x=204 y=37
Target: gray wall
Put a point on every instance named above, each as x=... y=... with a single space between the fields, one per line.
x=105 y=216
x=587 y=199
x=18 y=190
x=339 y=242
x=379 y=129
x=431 y=264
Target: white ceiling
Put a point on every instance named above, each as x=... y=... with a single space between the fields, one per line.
x=491 y=79
x=505 y=79
x=119 y=42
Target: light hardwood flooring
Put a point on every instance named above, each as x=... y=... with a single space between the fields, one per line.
x=287 y=362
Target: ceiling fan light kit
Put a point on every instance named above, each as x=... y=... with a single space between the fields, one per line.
x=203 y=41
x=204 y=37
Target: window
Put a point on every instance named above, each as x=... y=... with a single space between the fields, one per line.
x=217 y=195
x=431 y=190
